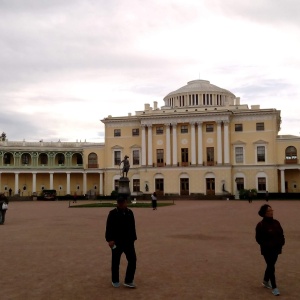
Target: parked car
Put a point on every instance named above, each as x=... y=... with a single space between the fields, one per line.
x=49 y=194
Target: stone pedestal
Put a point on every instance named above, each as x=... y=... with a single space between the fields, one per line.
x=124 y=189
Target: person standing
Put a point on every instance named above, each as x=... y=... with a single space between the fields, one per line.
x=250 y=196
x=267 y=196
x=3 y=208
x=121 y=235
x=269 y=235
x=154 y=201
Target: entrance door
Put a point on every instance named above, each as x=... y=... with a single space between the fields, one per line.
x=159 y=186
x=184 y=186
x=210 y=186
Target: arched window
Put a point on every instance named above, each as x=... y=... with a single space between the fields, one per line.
x=93 y=160
x=290 y=155
x=25 y=158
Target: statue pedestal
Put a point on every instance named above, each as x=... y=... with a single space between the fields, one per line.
x=124 y=189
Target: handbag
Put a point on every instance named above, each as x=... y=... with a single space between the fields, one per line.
x=4 y=206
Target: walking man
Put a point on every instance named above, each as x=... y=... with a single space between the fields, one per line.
x=121 y=235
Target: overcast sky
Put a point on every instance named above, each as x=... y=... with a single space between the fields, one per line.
x=67 y=64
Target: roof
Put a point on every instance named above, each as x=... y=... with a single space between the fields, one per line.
x=199 y=86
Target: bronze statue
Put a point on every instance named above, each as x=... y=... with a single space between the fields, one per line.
x=126 y=165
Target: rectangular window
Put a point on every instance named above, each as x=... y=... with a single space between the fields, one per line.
x=159 y=156
x=209 y=127
x=239 y=155
x=260 y=126
x=184 y=155
x=210 y=155
x=117 y=132
x=261 y=184
x=136 y=185
x=135 y=157
x=238 y=127
x=159 y=129
x=184 y=129
x=261 y=156
x=239 y=183
x=135 y=132
x=117 y=158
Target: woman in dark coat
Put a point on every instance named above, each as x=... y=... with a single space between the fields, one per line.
x=3 y=199
x=270 y=237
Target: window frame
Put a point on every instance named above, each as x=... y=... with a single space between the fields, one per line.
x=209 y=127
x=239 y=157
x=184 y=129
x=260 y=157
x=135 y=132
x=159 y=129
x=260 y=126
x=238 y=127
x=117 y=132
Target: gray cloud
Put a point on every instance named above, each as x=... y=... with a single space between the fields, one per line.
x=265 y=11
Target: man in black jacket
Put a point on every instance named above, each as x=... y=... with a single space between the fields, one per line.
x=121 y=235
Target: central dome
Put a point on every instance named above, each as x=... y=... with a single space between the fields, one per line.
x=200 y=86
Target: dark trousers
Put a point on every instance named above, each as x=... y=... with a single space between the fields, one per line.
x=270 y=259
x=130 y=254
x=154 y=204
x=2 y=217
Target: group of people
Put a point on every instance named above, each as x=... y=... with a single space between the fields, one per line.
x=121 y=235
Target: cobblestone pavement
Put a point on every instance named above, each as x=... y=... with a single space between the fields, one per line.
x=192 y=250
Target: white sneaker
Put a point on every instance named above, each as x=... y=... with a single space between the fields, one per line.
x=129 y=284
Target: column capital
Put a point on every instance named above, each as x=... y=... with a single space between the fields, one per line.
x=193 y=123
x=174 y=124
x=226 y=122
x=167 y=125
x=219 y=122
x=199 y=123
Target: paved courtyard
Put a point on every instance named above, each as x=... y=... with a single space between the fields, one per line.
x=192 y=250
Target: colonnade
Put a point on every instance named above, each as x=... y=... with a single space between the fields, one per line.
x=51 y=176
x=196 y=144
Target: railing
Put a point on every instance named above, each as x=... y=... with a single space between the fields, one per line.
x=291 y=161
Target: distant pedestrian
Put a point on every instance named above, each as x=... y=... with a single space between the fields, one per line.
x=154 y=201
x=270 y=237
x=75 y=198
x=267 y=196
x=250 y=196
x=3 y=208
x=10 y=191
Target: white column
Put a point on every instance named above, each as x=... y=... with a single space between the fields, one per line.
x=226 y=143
x=101 y=184
x=16 y=183
x=51 y=180
x=68 y=183
x=282 y=181
x=193 y=143
x=150 y=162
x=200 y=150
x=174 y=136
x=34 y=182
x=219 y=142
x=168 y=146
x=143 y=145
x=84 y=183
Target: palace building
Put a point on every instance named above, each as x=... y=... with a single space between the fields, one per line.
x=201 y=141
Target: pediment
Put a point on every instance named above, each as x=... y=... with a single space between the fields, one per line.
x=260 y=142
x=117 y=147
